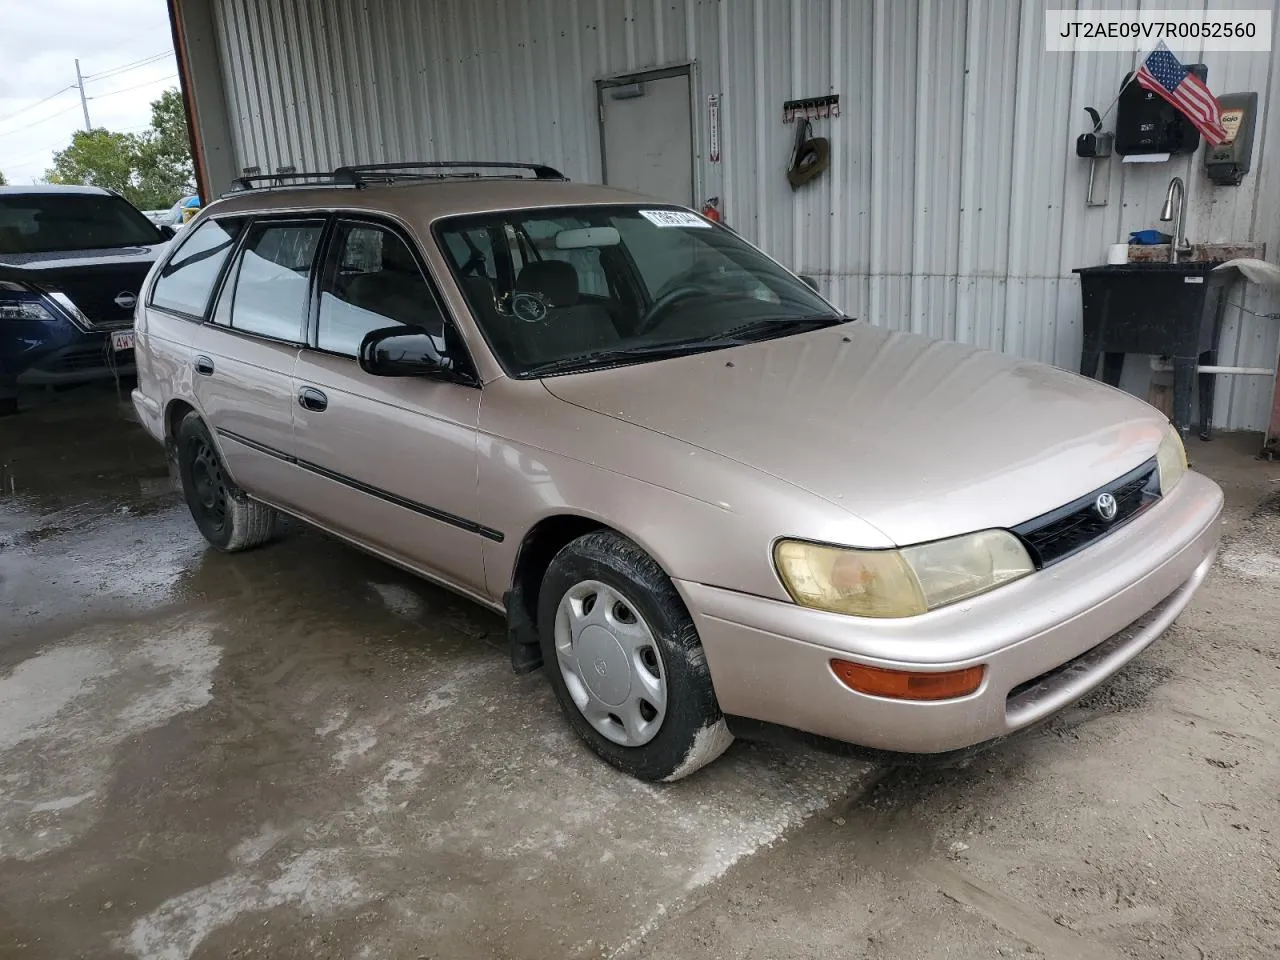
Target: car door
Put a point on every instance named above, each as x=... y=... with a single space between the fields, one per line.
x=244 y=357
x=388 y=461
x=178 y=302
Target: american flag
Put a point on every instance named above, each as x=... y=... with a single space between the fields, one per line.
x=1164 y=75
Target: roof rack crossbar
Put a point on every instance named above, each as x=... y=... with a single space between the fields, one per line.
x=360 y=174
x=266 y=181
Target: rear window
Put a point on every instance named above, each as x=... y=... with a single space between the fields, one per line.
x=51 y=222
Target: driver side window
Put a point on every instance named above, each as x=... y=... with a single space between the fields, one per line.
x=373 y=281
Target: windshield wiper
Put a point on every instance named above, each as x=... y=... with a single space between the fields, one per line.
x=736 y=337
x=656 y=351
x=780 y=326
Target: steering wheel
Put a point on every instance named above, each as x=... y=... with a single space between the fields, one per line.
x=654 y=315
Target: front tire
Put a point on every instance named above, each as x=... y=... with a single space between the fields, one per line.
x=625 y=662
x=224 y=513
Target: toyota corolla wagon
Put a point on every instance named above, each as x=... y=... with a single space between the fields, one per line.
x=706 y=502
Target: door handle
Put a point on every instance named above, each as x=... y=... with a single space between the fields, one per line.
x=309 y=398
x=204 y=366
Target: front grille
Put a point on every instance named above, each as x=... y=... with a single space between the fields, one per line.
x=1058 y=534
x=95 y=300
x=80 y=358
x=76 y=358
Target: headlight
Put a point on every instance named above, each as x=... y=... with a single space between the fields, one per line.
x=19 y=303
x=899 y=583
x=1171 y=459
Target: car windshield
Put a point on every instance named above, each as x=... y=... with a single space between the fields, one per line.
x=50 y=222
x=559 y=290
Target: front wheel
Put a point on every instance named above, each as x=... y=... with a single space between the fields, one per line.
x=624 y=660
x=225 y=515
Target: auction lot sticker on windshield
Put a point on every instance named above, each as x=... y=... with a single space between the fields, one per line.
x=674 y=218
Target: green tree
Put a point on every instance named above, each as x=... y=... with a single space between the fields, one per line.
x=97 y=158
x=152 y=170
x=164 y=165
x=3 y=181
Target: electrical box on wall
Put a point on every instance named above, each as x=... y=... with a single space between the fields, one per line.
x=1227 y=163
x=1146 y=123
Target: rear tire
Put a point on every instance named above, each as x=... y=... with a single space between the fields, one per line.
x=224 y=513
x=623 y=657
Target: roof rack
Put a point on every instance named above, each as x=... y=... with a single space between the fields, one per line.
x=366 y=173
x=268 y=181
x=361 y=175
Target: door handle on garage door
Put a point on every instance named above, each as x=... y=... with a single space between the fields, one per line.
x=309 y=398
x=204 y=366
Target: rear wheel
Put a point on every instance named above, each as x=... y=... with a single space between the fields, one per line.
x=624 y=660
x=224 y=513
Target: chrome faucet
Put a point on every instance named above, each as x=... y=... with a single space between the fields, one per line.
x=1178 y=214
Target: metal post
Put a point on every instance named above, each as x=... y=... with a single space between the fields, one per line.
x=84 y=103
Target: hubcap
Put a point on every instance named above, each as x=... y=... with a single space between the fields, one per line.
x=210 y=485
x=610 y=663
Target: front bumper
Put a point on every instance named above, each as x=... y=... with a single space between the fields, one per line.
x=1046 y=640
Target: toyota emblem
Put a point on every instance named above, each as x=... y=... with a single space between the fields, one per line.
x=126 y=300
x=1106 y=506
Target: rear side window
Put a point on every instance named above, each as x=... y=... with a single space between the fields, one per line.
x=187 y=280
x=269 y=289
x=373 y=282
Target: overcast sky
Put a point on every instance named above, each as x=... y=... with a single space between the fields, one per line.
x=39 y=43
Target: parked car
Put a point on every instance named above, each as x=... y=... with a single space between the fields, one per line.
x=181 y=213
x=71 y=262
x=708 y=502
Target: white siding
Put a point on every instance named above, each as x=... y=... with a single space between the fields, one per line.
x=954 y=204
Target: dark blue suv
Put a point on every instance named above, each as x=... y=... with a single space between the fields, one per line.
x=71 y=262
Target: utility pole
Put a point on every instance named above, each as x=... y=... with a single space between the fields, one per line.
x=84 y=103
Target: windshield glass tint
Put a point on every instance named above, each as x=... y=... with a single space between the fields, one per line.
x=48 y=222
x=551 y=286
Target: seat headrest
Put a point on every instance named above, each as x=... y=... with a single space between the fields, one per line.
x=481 y=293
x=396 y=256
x=556 y=280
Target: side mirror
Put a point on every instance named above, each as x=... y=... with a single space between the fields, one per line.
x=167 y=231
x=406 y=352
x=809 y=282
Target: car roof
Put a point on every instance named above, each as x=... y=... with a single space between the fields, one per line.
x=14 y=190
x=420 y=202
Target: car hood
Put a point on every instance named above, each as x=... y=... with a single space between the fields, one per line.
x=40 y=264
x=103 y=285
x=920 y=438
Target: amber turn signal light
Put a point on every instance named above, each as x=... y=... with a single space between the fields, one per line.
x=908 y=684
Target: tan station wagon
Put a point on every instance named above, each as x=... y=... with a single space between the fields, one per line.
x=706 y=500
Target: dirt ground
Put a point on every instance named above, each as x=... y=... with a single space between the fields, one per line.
x=302 y=752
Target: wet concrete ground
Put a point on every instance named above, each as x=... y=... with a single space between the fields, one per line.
x=303 y=752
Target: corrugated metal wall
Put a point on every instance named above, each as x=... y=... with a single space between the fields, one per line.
x=954 y=204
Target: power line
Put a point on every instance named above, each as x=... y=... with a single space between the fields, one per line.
x=51 y=149
x=112 y=93
x=70 y=86
x=90 y=78
x=125 y=68
x=36 y=123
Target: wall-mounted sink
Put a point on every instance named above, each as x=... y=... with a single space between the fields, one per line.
x=1160 y=308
